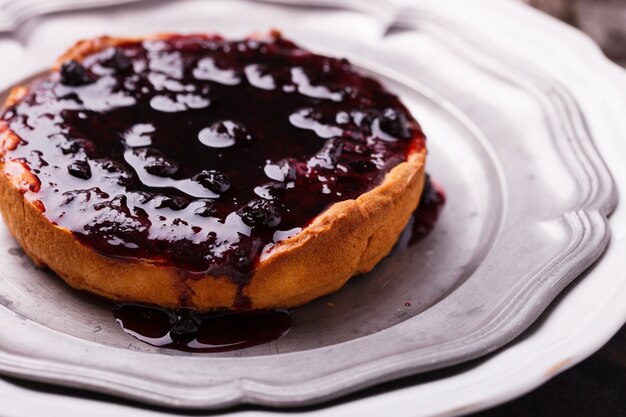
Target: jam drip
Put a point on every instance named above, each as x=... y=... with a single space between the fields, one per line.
x=201 y=153
x=425 y=216
x=431 y=203
x=202 y=332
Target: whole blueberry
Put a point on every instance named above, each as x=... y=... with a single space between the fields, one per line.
x=394 y=123
x=173 y=202
x=119 y=61
x=185 y=329
x=259 y=213
x=206 y=209
x=73 y=73
x=115 y=171
x=74 y=146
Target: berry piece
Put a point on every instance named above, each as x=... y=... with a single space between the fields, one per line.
x=119 y=61
x=224 y=134
x=156 y=163
x=80 y=169
x=115 y=171
x=206 y=210
x=213 y=180
x=161 y=167
x=362 y=166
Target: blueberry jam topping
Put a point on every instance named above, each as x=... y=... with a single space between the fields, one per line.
x=201 y=153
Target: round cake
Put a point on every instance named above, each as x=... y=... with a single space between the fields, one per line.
x=193 y=171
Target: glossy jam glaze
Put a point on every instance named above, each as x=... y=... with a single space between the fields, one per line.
x=200 y=153
x=189 y=331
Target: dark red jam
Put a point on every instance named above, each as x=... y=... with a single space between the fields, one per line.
x=431 y=203
x=202 y=332
x=199 y=152
x=425 y=216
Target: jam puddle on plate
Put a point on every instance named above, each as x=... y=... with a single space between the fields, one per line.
x=225 y=331
x=189 y=331
x=424 y=218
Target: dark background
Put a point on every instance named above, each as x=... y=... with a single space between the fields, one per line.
x=603 y=20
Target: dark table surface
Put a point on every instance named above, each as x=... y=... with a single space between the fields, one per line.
x=594 y=387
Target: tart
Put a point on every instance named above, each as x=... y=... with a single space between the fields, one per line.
x=193 y=171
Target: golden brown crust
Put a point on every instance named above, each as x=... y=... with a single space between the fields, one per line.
x=349 y=238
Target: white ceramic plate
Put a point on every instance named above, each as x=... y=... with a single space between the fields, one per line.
x=458 y=68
